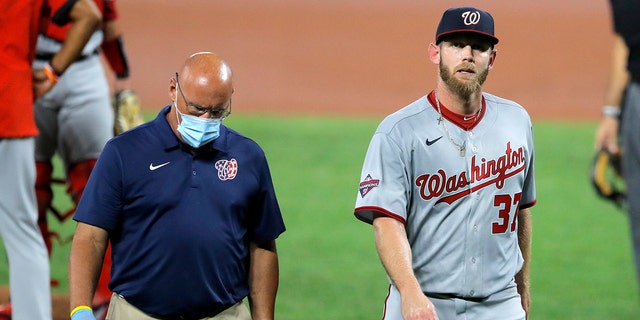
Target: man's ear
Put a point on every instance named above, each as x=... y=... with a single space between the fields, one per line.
x=434 y=53
x=173 y=89
x=492 y=60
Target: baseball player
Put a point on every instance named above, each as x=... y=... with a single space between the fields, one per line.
x=76 y=119
x=446 y=183
x=26 y=252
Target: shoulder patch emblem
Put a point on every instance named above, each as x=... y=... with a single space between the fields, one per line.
x=367 y=185
x=227 y=169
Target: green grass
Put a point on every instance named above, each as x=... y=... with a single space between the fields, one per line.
x=581 y=265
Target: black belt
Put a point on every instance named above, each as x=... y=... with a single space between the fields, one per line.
x=212 y=312
x=452 y=296
x=46 y=56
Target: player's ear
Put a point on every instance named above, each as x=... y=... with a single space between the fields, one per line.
x=492 y=59
x=434 y=53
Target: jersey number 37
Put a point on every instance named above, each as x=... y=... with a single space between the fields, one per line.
x=505 y=204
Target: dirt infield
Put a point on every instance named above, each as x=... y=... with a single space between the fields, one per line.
x=368 y=57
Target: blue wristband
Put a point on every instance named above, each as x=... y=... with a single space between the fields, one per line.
x=83 y=314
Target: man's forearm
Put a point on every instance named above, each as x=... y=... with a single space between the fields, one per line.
x=85 y=263
x=524 y=241
x=395 y=254
x=263 y=280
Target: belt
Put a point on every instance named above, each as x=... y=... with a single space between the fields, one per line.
x=212 y=312
x=209 y=313
x=452 y=296
x=47 y=56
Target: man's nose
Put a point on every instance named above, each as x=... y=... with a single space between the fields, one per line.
x=467 y=53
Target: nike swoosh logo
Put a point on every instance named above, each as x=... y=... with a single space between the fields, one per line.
x=152 y=167
x=433 y=141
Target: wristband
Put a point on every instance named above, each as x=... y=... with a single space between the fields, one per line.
x=52 y=75
x=611 y=111
x=80 y=308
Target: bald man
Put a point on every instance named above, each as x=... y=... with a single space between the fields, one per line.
x=189 y=207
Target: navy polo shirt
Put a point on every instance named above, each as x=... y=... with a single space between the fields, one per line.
x=179 y=223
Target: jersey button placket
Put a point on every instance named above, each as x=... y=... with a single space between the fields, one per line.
x=474 y=149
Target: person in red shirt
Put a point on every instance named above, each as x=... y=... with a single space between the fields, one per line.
x=20 y=85
x=75 y=119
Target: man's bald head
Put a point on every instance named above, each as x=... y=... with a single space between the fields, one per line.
x=205 y=69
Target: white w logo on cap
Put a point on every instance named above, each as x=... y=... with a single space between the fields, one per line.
x=470 y=18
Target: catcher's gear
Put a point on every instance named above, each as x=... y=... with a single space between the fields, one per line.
x=126 y=108
x=606 y=177
x=5 y=311
x=44 y=196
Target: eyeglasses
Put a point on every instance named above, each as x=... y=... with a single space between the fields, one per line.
x=198 y=110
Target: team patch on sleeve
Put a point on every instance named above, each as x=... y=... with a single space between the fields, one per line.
x=367 y=185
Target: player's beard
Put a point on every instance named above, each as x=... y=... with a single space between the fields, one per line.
x=467 y=88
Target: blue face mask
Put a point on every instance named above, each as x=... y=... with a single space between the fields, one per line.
x=196 y=131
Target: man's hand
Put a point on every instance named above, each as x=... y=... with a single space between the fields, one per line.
x=83 y=314
x=607 y=135
x=41 y=83
x=418 y=307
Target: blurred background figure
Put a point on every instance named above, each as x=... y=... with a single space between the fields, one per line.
x=75 y=119
x=27 y=254
x=618 y=131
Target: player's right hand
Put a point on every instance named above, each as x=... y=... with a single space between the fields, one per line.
x=41 y=83
x=418 y=308
x=83 y=315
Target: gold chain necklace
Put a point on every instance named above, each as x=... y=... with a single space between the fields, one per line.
x=461 y=147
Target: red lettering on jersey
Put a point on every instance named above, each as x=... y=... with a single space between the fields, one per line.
x=483 y=172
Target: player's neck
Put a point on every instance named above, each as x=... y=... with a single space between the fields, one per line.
x=457 y=103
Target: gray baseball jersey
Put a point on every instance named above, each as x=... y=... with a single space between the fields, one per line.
x=459 y=207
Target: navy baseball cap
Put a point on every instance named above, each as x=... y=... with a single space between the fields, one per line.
x=466 y=19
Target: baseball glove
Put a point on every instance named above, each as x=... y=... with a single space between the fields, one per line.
x=126 y=108
x=606 y=177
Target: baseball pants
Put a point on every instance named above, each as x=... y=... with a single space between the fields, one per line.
x=630 y=142
x=503 y=305
x=75 y=118
x=120 y=309
x=29 y=277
